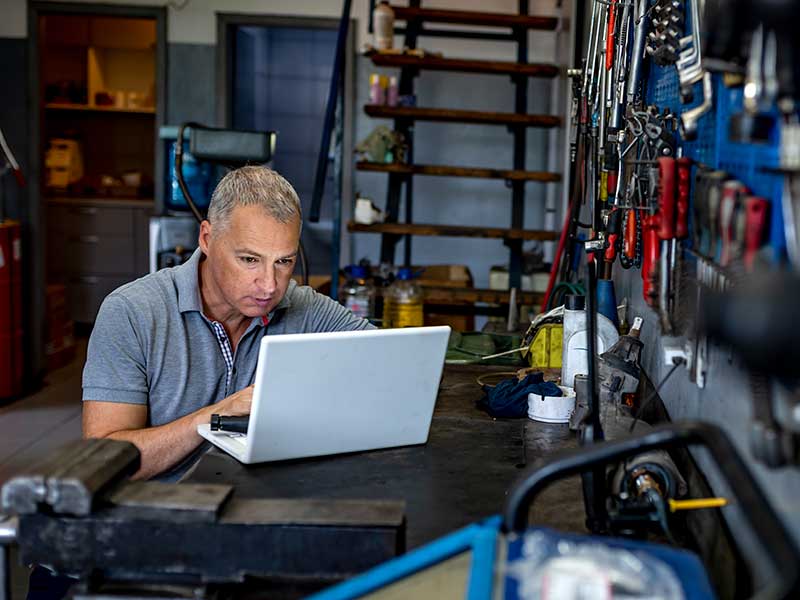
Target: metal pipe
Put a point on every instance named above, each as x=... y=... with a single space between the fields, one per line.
x=8 y=536
x=637 y=58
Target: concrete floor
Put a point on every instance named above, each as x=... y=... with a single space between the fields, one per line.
x=35 y=426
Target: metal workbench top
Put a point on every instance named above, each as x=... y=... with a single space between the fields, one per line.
x=460 y=476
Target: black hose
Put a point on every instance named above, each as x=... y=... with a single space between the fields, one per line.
x=303 y=263
x=179 y=170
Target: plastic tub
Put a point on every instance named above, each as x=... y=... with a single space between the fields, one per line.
x=552 y=409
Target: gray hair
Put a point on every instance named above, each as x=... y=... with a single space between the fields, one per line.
x=254 y=186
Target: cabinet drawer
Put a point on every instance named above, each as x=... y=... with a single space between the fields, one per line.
x=101 y=254
x=86 y=294
x=92 y=220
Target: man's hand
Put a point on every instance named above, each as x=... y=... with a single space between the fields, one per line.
x=236 y=405
x=164 y=446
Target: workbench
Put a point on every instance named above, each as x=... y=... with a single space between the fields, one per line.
x=460 y=476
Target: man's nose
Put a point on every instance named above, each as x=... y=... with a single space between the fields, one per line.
x=266 y=280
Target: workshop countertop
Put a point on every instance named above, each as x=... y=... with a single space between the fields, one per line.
x=460 y=476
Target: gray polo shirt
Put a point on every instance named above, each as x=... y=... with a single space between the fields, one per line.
x=152 y=345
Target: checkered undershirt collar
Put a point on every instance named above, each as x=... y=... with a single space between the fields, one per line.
x=225 y=346
x=227 y=353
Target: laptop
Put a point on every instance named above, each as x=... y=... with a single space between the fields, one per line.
x=327 y=393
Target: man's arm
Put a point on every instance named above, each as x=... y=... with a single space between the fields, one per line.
x=161 y=447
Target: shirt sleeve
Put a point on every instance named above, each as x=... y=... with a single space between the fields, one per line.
x=329 y=315
x=116 y=369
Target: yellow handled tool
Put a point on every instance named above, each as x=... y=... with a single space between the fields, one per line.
x=675 y=505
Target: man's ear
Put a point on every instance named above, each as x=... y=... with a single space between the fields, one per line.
x=204 y=239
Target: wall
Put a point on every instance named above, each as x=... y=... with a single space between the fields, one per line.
x=192 y=96
x=725 y=401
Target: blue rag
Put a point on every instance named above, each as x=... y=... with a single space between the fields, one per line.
x=509 y=398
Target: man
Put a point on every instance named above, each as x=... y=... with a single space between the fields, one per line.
x=171 y=348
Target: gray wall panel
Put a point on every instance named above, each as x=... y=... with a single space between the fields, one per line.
x=725 y=401
x=191 y=93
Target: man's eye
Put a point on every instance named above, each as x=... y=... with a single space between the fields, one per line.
x=248 y=260
x=285 y=261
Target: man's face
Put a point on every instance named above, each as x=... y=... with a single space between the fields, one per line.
x=250 y=261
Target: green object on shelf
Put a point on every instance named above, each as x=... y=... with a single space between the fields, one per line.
x=468 y=348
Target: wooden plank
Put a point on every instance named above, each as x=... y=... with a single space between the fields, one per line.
x=449 y=171
x=450 y=295
x=145 y=110
x=463 y=65
x=453 y=231
x=460 y=116
x=464 y=17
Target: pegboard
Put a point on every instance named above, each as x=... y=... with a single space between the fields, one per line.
x=714 y=148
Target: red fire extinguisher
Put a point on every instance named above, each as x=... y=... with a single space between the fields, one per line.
x=11 y=333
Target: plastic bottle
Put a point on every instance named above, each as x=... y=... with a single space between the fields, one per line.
x=377 y=95
x=392 y=92
x=358 y=293
x=383 y=25
x=575 y=357
x=405 y=306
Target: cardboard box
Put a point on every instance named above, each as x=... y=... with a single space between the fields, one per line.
x=455 y=276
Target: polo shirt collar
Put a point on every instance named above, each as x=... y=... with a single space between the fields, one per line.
x=187 y=281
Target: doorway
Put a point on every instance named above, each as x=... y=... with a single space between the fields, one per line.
x=275 y=74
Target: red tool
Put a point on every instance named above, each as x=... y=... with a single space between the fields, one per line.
x=666 y=198
x=612 y=18
x=757 y=211
x=629 y=243
x=613 y=230
x=650 y=256
x=11 y=336
x=684 y=165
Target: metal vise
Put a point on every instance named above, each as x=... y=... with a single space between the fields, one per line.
x=80 y=516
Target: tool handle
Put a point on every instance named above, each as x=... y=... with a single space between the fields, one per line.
x=666 y=198
x=757 y=209
x=727 y=210
x=650 y=225
x=696 y=503
x=613 y=230
x=684 y=167
x=611 y=184
x=226 y=423
x=629 y=246
x=612 y=18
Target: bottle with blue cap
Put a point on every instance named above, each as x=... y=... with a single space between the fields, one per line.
x=358 y=293
x=403 y=306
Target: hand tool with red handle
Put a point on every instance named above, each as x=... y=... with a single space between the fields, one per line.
x=667 y=201
x=612 y=12
x=650 y=257
x=613 y=230
x=757 y=211
x=732 y=194
x=666 y=198
x=684 y=173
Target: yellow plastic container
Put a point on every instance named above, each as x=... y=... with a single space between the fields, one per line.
x=403 y=304
x=545 y=351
